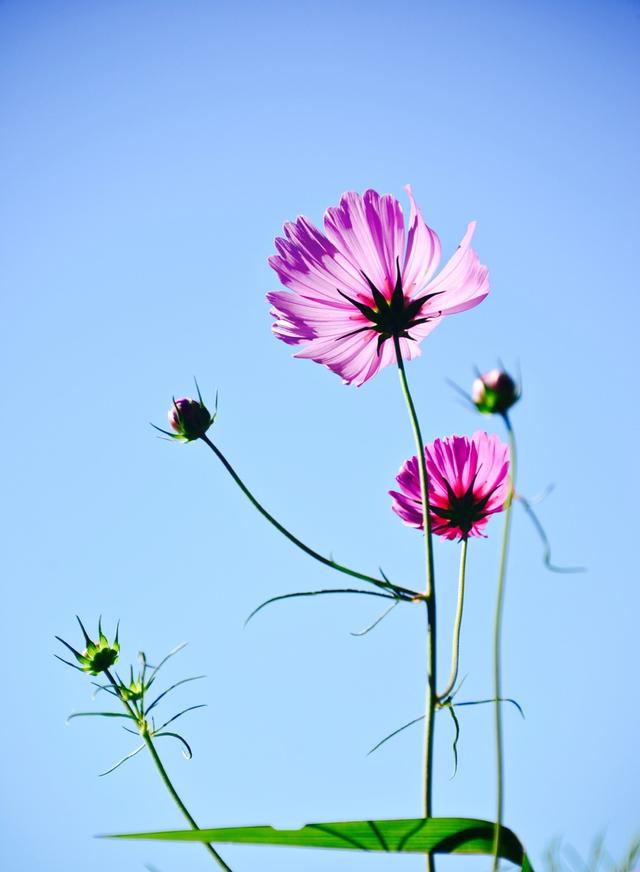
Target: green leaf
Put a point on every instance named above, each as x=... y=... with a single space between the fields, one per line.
x=377 y=621
x=187 y=752
x=286 y=596
x=546 y=555
x=169 y=689
x=99 y=715
x=456 y=726
x=179 y=715
x=416 y=835
x=122 y=760
x=395 y=733
x=155 y=669
x=492 y=699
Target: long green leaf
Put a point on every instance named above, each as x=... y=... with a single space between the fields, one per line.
x=285 y=596
x=99 y=715
x=416 y=835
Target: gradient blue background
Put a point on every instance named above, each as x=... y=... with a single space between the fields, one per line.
x=150 y=153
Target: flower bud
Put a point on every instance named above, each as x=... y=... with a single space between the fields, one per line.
x=494 y=392
x=133 y=691
x=189 y=418
x=98 y=656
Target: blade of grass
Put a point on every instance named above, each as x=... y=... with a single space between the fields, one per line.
x=416 y=835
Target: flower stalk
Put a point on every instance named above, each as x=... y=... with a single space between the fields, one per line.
x=497 y=643
x=444 y=695
x=176 y=798
x=136 y=712
x=429 y=597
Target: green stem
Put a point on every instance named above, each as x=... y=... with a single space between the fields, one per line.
x=265 y=514
x=497 y=638
x=455 y=652
x=429 y=596
x=174 y=794
x=146 y=738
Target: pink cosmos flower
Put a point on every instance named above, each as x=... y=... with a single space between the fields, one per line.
x=355 y=286
x=468 y=481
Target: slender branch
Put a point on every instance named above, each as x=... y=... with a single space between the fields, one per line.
x=429 y=595
x=265 y=514
x=497 y=639
x=455 y=652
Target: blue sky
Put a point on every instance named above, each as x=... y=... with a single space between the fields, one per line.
x=150 y=154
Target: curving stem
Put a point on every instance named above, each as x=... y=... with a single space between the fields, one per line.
x=265 y=514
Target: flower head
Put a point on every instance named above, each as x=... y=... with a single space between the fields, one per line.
x=494 y=392
x=98 y=656
x=468 y=482
x=189 y=418
x=356 y=289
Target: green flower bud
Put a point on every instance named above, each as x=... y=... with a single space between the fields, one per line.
x=98 y=656
x=494 y=392
x=132 y=692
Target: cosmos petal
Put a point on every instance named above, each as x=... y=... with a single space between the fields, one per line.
x=423 y=251
x=462 y=283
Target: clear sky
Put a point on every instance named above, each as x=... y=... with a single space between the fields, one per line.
x=150 y=153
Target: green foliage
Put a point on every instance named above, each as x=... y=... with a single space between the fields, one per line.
x=131 y=693
x=415 y=835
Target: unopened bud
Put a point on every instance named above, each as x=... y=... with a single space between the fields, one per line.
x=189 y=418
x=133 y=691
x=494 y=392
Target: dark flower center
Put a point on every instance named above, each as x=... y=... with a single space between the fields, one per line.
x=101 y=659
x=464 y=511
x=392 y=318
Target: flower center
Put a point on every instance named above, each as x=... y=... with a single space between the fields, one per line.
x=464 y=511
x=390 y=318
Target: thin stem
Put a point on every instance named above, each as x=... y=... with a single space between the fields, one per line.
x=131 y=709
x=265 y=514
x=146 y=738
x=429 y=595
x=497 y=638
x=422 y=469
x=172 y=791
x=455 y=652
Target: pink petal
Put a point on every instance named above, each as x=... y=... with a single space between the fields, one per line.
x=423 y=251
x=309 y=263
x=369 y=232
x=462 y=283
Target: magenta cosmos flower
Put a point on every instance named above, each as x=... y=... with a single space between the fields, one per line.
x=356 y=286
x=468 y=481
